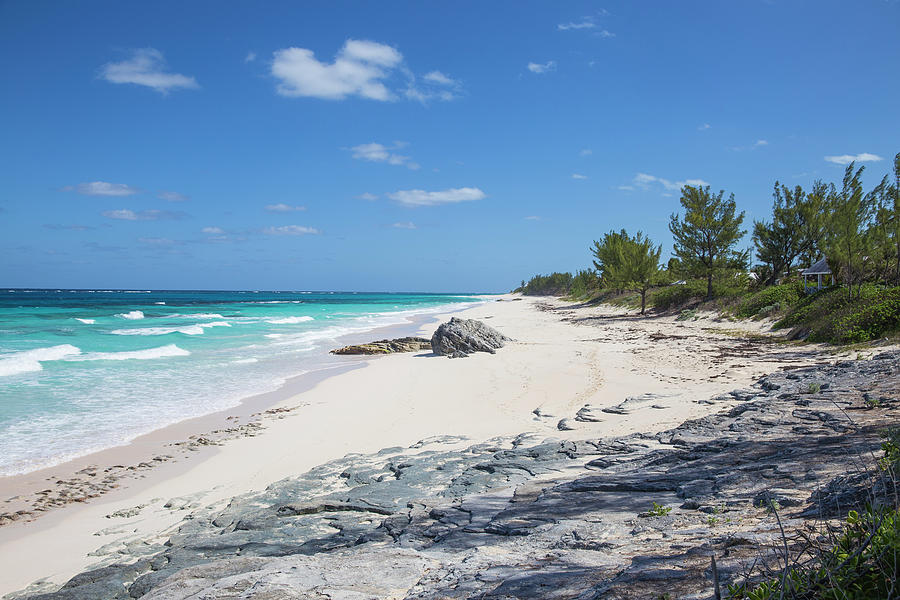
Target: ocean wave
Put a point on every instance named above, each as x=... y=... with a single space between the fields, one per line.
x=133 y=315
x=289 y=320
x=29 y=361
x=197 y=316
x=86 y=321
x=167 y=351
x=245 y=361
x=197 y=329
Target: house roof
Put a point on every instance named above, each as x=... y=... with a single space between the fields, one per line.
x=820 y=268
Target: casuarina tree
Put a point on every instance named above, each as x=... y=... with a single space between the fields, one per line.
x=705 y=237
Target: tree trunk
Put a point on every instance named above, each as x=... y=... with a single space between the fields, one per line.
x=709 y=293
x=643 y=300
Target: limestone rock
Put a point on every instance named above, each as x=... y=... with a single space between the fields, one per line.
x=405 y=344
x=464 y=336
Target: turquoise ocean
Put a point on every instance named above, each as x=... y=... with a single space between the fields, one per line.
x=86 y=370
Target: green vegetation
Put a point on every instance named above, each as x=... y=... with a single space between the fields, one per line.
x=628 y=263
x=554 y=284
x=705 y=237
x=658 y=510
x=779 y=296
x=861 y=562
x=856 y=232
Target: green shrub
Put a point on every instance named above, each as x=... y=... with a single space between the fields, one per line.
x=658 y=510
x=862 y=565
x=554 y=284
x=676 y=295
x=769 y=300
x=830 y=317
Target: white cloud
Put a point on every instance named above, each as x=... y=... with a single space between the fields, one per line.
x=704 y=127
x=359 y=69
x=172 y=197
x=585 y=23
x=846 y=159
x=586 y=152
x=578 y=176
x=540 y=68
x=375 y=152
x=102 y=188
x=124 y=214
x=643 y=180
x=439 y=78
x=290 y=230
x=414 y=198
x=367 y=196
x=157 y=241
x=532 y=218
x=626 y=188
x=213 y=230
x=251 y=56
x=283 y=208
x=606 y=34
x=146 y=67
x=760 y=143
x=404 y=225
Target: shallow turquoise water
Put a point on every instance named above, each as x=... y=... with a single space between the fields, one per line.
x=81 y=370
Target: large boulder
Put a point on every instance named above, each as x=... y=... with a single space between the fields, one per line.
x=406 y=344
x=461 y=337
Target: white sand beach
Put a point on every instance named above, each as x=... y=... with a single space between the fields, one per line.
x=562 y=359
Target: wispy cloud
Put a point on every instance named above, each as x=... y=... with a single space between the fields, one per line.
x=404 y=225
x=380 y=153
x=367 y=196
x=586 y=152
x=146 y=67
x=158 y=241
x=541 y=68
x=846 y=159
x=415 y=198
x=704 y=127
x=290 y=230
x=645 y=181
x=251 y=56
x=626 y=188
x=102 y=188
x=605 y=34
x=124 y=214
x=578 y=176
x=283 y=208
x=440 y=78
x=173 y=197
x=69 y=227
x=212 y=230
x=433 y=86
x=584 y=23
x=532 y=218
x=753 y=146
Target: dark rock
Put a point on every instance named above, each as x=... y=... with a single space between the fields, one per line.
x=405 y=344
x=465 y=336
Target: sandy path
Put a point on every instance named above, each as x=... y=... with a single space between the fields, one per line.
x=563 y=359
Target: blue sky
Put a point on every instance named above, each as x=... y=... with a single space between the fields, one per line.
x=411 y=146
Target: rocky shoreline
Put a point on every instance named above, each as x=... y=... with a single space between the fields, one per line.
x=523 y=517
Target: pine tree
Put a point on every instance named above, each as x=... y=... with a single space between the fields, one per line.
x=848 y=241
x=705 y=237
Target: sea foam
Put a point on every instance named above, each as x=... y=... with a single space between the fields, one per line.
x=133 y=315
x=289 y=320
x=167 y=351
x=186 y=330
x=30 y=360
x=86 y=321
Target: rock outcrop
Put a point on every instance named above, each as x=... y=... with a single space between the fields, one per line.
x=460 y=337
x=522 y=517
x=404 y=344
